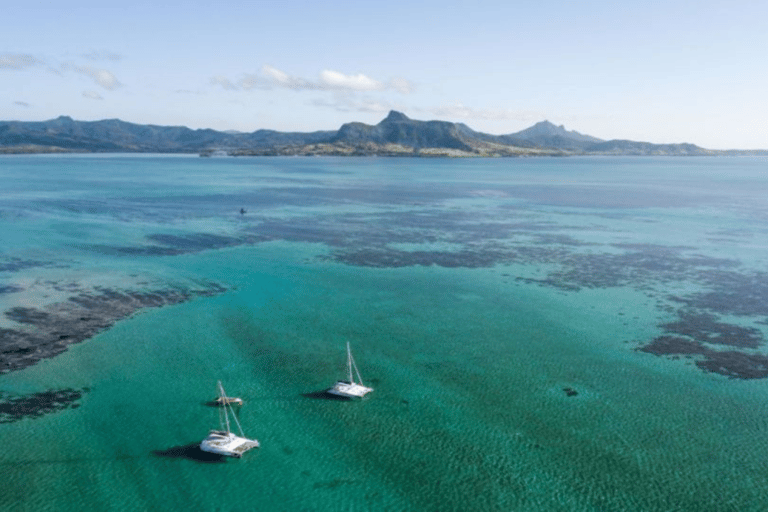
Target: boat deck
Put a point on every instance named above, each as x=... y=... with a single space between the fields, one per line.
x=229 y=400
x=349 y=389
x=227 y=444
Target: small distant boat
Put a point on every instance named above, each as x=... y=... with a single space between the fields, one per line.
x=231 y=400
x=224 y=400
x=223 y=441
x=349 y=388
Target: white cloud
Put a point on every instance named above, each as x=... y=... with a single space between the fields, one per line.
x=102 y=77
x=92 y=95
x=282 y=79
x=18 y=61
x=338 y=81
x=328 y=80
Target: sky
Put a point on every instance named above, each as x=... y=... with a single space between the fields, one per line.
x=658 y=71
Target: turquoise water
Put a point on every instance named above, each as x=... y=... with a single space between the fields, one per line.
x=498 y=308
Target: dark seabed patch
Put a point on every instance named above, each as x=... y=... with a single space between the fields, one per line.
x=16 y=264
x=731 y=363
x=640 y=267
x=162 y=244
x=615 y=196
x=694 y=333
x=391 y=258
x=37 y=404
x=705 y=328
x=170 y=208
x=735 y=293
x=460 y=238
x=366 y=239
x=333 y=484
x=49 y=330
x=741 y=294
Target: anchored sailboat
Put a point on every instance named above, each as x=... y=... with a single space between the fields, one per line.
x=231 y=400
x=224 y=442
x=349 y=388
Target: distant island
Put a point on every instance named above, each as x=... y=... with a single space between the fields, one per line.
x=395 y=135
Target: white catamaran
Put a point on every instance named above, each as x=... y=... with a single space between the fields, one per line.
x=350 y=388
x=224 y=442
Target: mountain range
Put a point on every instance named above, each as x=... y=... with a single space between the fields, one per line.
x=395 y=135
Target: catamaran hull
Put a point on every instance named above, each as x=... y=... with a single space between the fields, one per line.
x=349 y=390
x=229 y=445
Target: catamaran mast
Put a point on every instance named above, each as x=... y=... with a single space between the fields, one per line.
x=349 y=364
x=237 y=422
x=223 y=396
x=228 y=406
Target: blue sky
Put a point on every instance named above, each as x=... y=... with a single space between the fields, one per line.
x=672 y=71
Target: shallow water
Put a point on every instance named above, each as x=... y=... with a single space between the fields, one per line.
x=499 y=308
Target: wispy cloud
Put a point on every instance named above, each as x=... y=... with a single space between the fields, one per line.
x=401 y=85
x=22 y=104
x=344 y=102
x=328 y=80
x=274 y=77
x=223 y=82
x=460 y=111
x=101 y=77
x=92 y=95
x=18 y=61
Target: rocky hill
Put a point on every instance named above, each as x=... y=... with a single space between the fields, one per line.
x=114 y=135
x=546 y=134
x=395 y=135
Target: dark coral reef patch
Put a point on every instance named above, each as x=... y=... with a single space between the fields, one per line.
x=38 y=404
x=693 y=335
x=46 y=332
x=705 y=328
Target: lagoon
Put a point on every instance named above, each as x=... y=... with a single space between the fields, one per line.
x=574 y=334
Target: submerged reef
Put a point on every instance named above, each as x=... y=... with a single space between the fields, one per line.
x=705 y=328
x=423 y=232
x=37 y=404
x=731 y=363
x=16 y=264
x=693 y=335
x=47 y=331
x=734 y=293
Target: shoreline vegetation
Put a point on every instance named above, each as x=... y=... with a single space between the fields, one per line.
x=395 y=136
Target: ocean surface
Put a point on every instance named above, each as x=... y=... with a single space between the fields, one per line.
x=573 y=334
